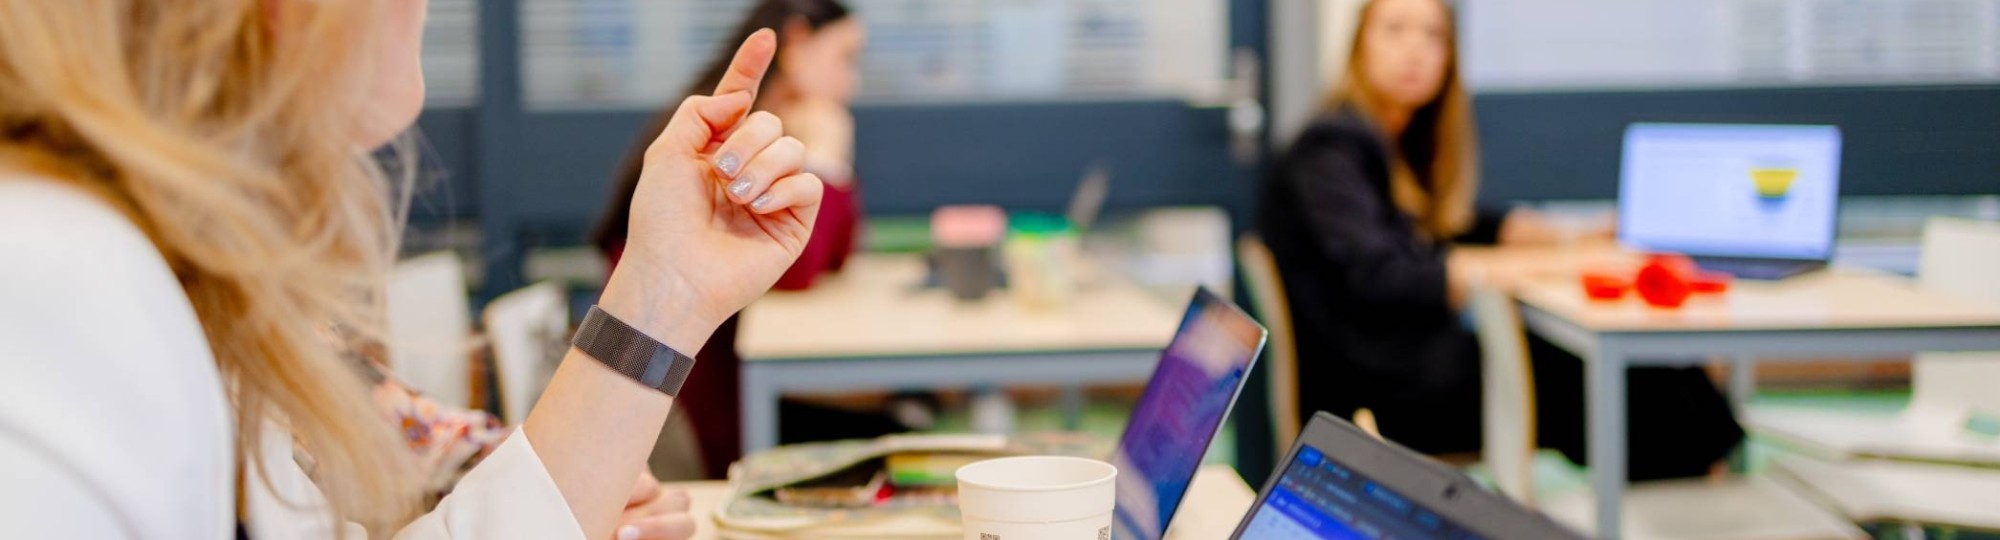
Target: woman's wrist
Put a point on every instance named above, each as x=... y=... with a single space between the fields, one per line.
x=660 y=304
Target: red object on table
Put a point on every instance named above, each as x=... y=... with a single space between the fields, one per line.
x=1664 y=280
x=1710 y=282
x=1605 y=285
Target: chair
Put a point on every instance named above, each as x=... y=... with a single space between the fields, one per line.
x=1508 y=412
x=1694 y=508
x=529 y=332
x=1960 y=258
x=1267 y=298
x=1267 y=292
x=430 y=327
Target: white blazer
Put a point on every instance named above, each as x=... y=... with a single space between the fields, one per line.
x=113 y=420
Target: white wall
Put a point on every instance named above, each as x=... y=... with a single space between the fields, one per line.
x=1309 y=42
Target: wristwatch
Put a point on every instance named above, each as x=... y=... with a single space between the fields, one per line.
x=632 y=353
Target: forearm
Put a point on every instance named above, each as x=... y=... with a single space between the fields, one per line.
x=594 y=427
x=1527 y=228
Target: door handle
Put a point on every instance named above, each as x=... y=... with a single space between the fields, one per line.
x=1246 y=107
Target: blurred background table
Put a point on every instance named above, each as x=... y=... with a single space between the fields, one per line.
x=1839 y=313
x=875 y=326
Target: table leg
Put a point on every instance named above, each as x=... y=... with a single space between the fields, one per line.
x=760 y=409
x=1606 y=389
x=1742 y=387
x=1072 y=407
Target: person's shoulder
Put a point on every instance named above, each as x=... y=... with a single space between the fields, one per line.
x=1339 y=128
x=39 y=215
x=96 y=323
x=75 y=260
x=72 y=258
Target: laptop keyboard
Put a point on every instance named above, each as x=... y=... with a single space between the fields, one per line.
x=1751 y=268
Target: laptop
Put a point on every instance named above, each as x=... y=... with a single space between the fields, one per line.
x=1088 y=201
x=1197 y=381
x=1754 y=201
x=1338 y=482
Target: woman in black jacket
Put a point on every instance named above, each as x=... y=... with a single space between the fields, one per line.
x=1360 y=214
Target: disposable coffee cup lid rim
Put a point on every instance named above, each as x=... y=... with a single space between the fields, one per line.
x=960 y=474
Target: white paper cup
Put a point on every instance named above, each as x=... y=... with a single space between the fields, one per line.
x=1037 y=498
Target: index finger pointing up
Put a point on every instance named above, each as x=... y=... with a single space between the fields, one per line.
x=753 y=58
x=703 y=121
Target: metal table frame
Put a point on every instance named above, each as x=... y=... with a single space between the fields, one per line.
x=1609 y=353
x=764 y=380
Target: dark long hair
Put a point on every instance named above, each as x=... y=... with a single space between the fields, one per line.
x=612 y=226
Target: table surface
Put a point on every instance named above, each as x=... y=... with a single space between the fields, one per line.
x=875 y=307
x=1839 y=304
x=1216 y=501
x=1831 y=299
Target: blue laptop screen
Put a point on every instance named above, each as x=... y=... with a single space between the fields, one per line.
x=1730 y=190
x=1197 y=379
x=1318 y=499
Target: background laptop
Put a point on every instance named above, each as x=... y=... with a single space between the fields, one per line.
x=1341 y=483
x=1756 y=201
x=1088 y=201
x=1199 y=376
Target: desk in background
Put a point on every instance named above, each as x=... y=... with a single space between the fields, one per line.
x=1216 y=501
x=1833 y=314
x=872 y=326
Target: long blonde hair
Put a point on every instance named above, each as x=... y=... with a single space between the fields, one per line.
x=234 y=149
x=1435 y=167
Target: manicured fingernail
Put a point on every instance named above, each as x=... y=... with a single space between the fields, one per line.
x=628 y=532
x=761 y=202
x=728 y=162
x=740 y=188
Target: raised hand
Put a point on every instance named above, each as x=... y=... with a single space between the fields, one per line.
x=720 y=212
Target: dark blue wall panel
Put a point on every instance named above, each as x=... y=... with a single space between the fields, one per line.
x=445 y=189
x=1896 y=141
x=914 y=158
x=1029 y=156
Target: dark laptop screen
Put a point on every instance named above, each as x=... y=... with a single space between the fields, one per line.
x=1318 y=499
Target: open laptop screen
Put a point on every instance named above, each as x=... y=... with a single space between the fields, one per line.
x=1316 y=498
x=1199 y=376
x=1759 y=191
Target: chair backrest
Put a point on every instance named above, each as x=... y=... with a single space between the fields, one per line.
x=1281 y=359
x=430 y=323
x=529 y=332
x=1509 y=402
x=1960 y=258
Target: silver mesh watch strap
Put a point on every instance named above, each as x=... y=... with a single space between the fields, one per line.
x=628 y=351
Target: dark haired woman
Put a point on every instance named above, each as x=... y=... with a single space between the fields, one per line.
x=811 y=83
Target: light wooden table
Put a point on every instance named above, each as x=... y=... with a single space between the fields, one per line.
x=872 y=326
x=1831 y=314
x=1215 y=503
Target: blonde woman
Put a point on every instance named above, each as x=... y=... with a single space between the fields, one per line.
x=1360 y=213
x=188 y=205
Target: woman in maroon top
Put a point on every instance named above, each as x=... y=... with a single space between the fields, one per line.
x=810 y=84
